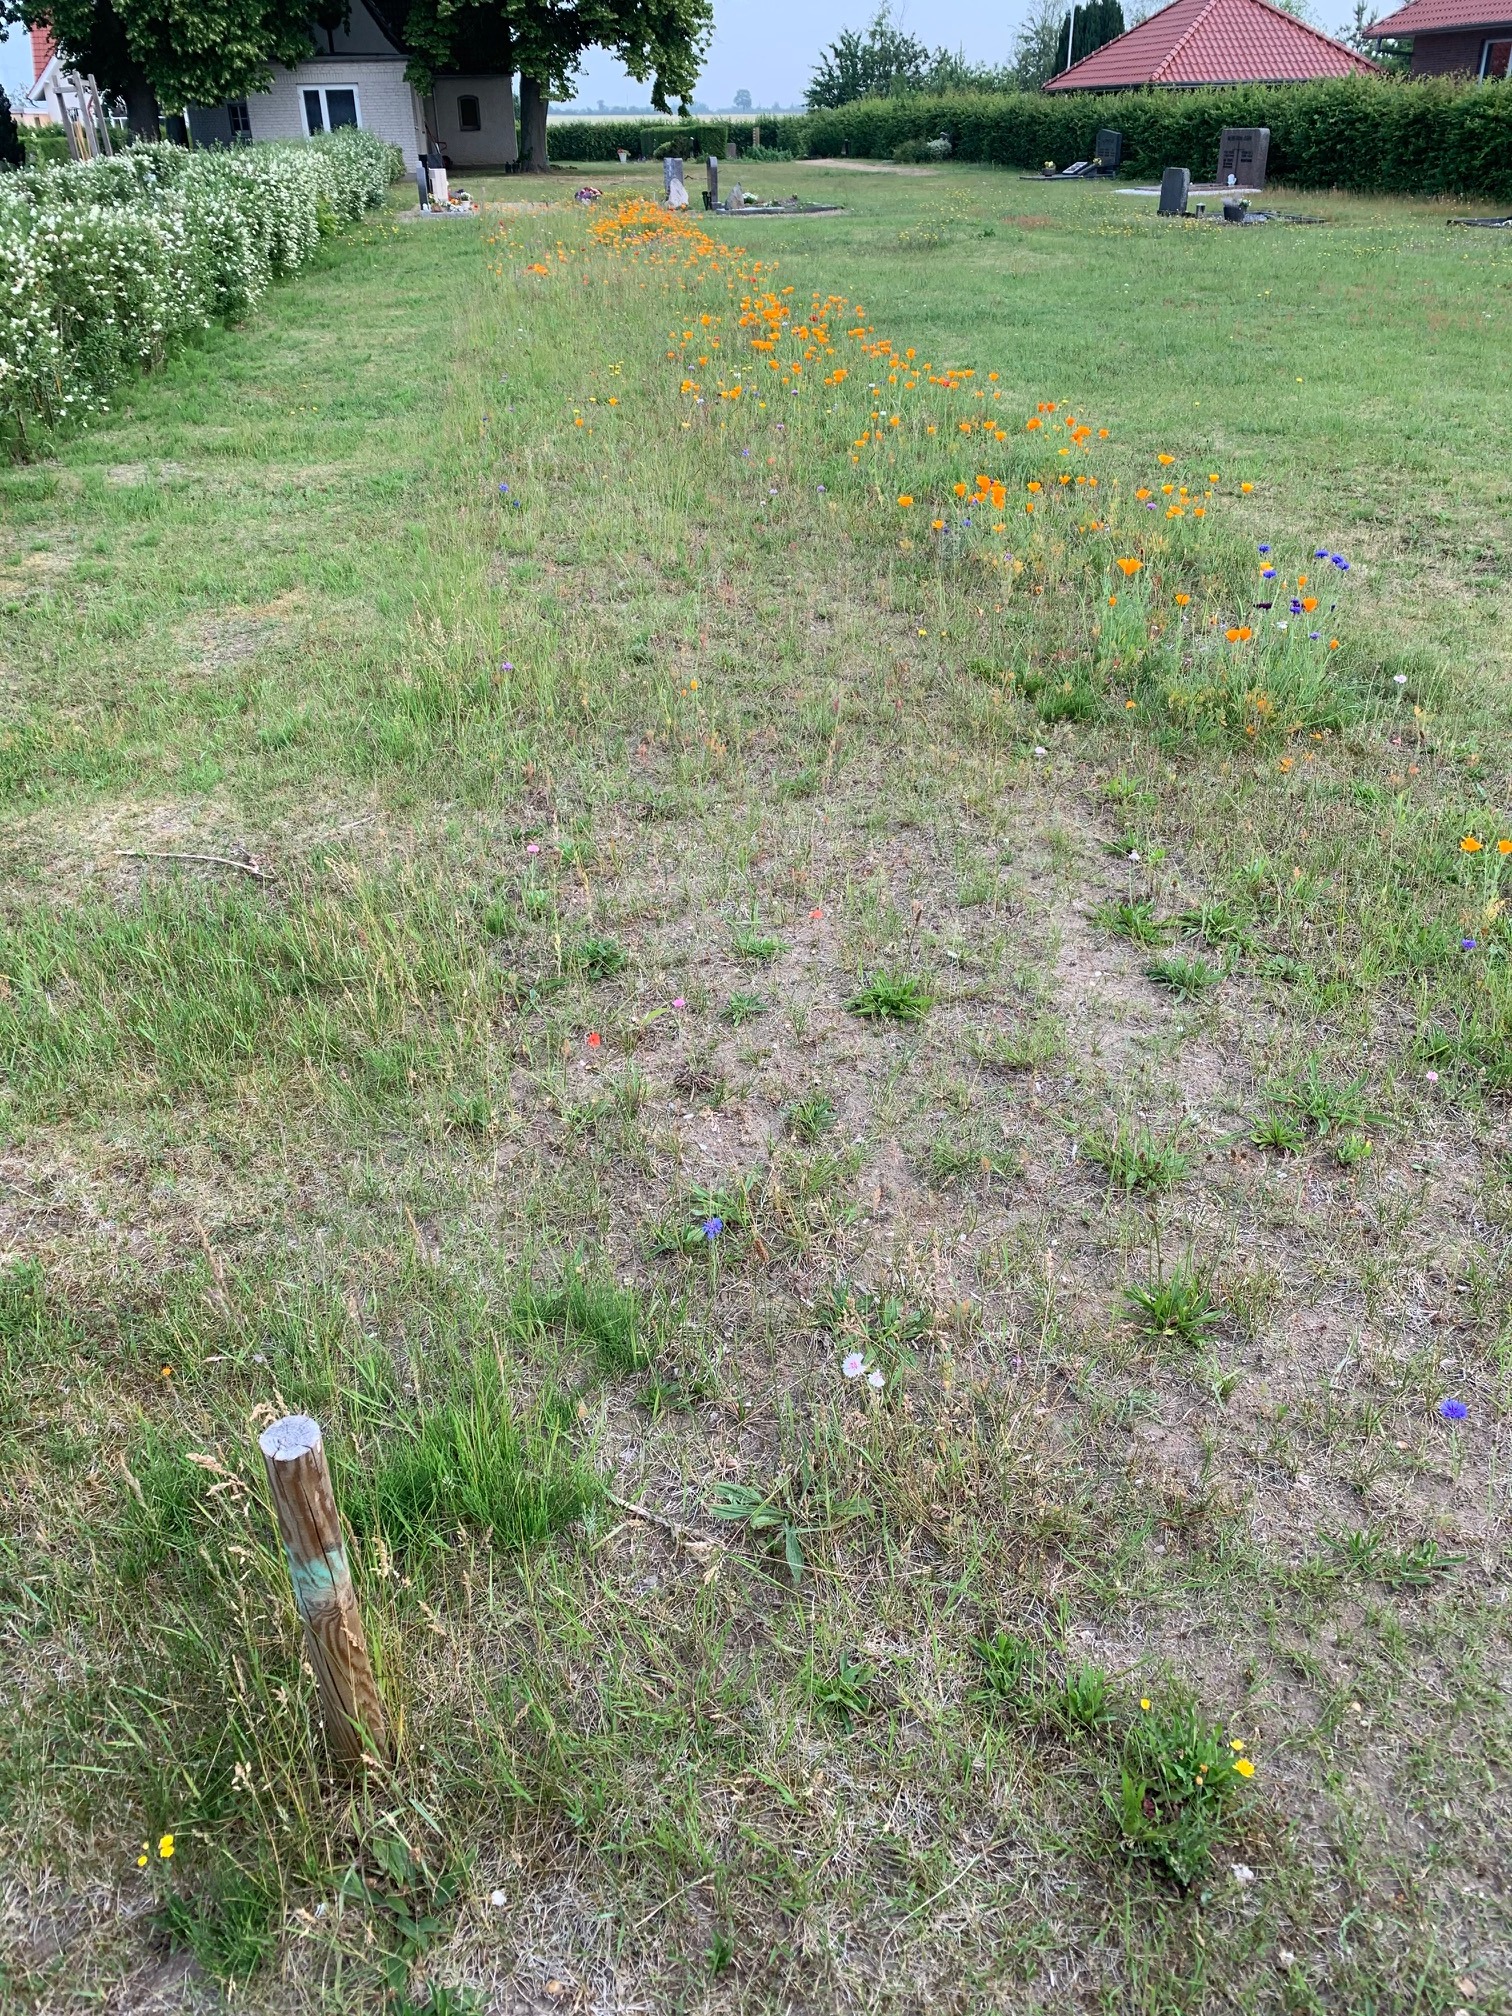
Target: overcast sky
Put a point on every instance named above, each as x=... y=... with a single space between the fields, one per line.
x=768 y=47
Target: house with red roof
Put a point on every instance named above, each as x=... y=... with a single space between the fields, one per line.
x=1192 y=43
x=1453 y=38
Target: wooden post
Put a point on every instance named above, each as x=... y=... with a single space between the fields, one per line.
x=323 y=1594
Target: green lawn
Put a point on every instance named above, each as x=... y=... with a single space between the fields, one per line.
x=475 y=813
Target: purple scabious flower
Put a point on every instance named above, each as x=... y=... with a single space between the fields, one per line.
x=1453 y=1410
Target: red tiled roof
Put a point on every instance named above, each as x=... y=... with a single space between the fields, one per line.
x=1216 y=42
x=1429 y=17
x=42 y=47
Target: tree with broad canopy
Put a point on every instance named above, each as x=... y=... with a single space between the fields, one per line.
x=660 y=41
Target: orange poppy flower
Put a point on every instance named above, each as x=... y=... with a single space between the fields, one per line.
x=904 y=502
x=1504 y=846
x=960 y=489
x=1182 y=601
x=1246 y=488
x=1165 y=461
x=1309 y=603
x=1470 y=844
x=1129 y=567
x=1238 y=633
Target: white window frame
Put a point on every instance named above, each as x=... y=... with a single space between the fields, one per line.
x=1492 y=42
x=325 y=106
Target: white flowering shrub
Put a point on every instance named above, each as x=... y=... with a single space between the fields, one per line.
x=104 y=263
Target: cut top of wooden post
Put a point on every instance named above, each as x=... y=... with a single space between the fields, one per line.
x=295 y=1435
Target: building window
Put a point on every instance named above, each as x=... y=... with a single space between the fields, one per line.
x=469 y=114
x=329 y=107
x=1496 y=60
x=241 y=119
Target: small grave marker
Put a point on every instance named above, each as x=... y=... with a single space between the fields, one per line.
x=1175 y=187
x=1109 y=149
x=1243 y=156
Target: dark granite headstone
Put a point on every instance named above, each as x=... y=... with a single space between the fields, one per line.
x=1175 y=187
x=1243 y=154
x=672 y=171
x=1109 y=149
x=713 y=165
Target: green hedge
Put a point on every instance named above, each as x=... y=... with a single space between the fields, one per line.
x=601 y=139
x=1377 y=135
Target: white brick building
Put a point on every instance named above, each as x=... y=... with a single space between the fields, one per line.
x=358 y=80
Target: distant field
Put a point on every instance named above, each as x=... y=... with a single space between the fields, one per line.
x=871 y=1108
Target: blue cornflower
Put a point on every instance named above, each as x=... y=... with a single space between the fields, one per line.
x=1267 y=573
x=1315 y=635
x=1340 y=562
x=503 y=489
x=1296 y=606
x=1453 y=1410
x=1320 y=552
x=1468 y=944
x=1265 y=549
x=713 y=1227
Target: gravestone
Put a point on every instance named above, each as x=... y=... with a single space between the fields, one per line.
x=1243 y=153
x=672 y=171
x=737 y=197
x=1175 y=187
x=712 y=198
x=1109 y=149
x=422 y=184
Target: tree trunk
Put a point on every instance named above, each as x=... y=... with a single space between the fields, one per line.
x=533 y=108
x=141 y=108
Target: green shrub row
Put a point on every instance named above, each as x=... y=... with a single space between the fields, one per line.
x=1384 y=136
x=601 y=139
x=104 y=264
x=1379 y=136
